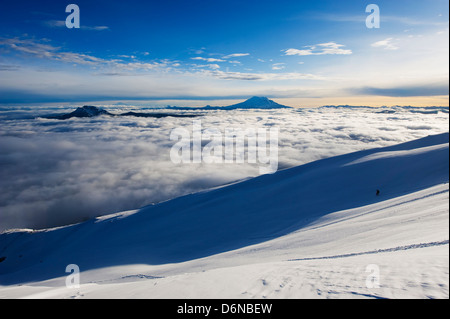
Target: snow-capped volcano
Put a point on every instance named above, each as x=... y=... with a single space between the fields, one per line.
x=257 y=102
x=89 y=111
x=85 y=111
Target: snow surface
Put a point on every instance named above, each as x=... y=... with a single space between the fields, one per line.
x=310 y=231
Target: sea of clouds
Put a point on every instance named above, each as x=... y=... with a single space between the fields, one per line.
x=56 y=172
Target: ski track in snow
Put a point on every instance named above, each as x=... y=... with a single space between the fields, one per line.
x=378 y=251
x=378 y=209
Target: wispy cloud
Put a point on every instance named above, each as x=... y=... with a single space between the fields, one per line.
x=95 y=28
x=386 y=44
x=214 y=66
x=320 y=49
x=425 y=89
x=207 y=59
x=278 y=66
x=62 y=24
x=125 y=56
x=224 y=58
x=236 y=55
x=260 y=76
x=45 y=50
x=9 y=67
x=385 y=18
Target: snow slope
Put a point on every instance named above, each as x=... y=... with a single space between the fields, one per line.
x=306 y=232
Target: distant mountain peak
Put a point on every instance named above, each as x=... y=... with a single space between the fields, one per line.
x=259 y=99
x=92 y=111
x=258 y=102
x=85 y=111
x=89 y=111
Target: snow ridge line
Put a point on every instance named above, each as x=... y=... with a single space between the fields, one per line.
x=378 y=251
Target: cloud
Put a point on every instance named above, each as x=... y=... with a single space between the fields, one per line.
x=236 y=55
x=211 y=60
x=95 y=28
x=126 y=56
x=331 y=48
x=86 y=76
x=278 y=66
x=133 y=66
x=43 y=50
x=425 y=89
x=55 y=23
x=62 y=24
x=9 y=67
x=208 y=59
x=405 y=20
x=212 y=66
x=55 y=173
x=385 y=44
x=47 y=51
x=261 y=76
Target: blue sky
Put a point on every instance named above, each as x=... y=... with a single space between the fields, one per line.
x=305 y=53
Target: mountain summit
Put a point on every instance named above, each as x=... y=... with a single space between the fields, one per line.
x=91 y=111
x=85 y=111
x=257 y=102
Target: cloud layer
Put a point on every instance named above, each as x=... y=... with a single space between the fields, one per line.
x=59 y=172
x=320 y=49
